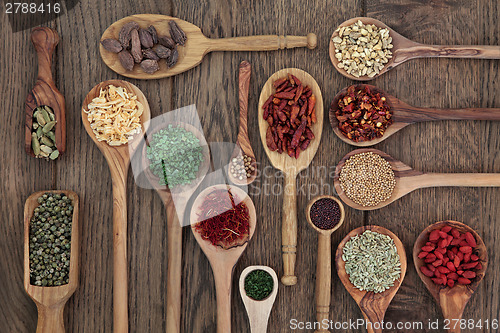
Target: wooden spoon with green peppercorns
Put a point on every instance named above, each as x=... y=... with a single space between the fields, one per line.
x=405 y=49
x=50 y=301
x=409 y=180
x=404 y=114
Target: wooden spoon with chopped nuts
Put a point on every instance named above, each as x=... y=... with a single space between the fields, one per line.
x=409 y=180
x=405 y=49
x=451 y=300
x=118 y=158
x=404 y=114
x=196 y=46
x=372 y=305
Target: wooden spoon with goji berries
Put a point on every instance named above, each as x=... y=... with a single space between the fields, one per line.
x=363 y=115
x=451 y=259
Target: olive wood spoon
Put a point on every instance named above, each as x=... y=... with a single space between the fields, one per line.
x=196 y=47
x=50 y=301
x=258 y=311
x=45 y=92
x=451 y=300
x=223 y=261
x=243 y=145
x=409 y=180
x=404 y=115
x=324 y=262
x=291 y=167
x=118 y=158
x=405 y=49
x=372 y=305
x=175 y=216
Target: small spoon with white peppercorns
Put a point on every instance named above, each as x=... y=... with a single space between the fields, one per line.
x=402 y=50
x=404 y=180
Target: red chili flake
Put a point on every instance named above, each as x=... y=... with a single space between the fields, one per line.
x=362 y=114
x=223 y=222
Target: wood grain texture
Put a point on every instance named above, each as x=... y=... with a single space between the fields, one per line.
x=45 y=91
x=404 y=114
x=451 y=300
x=448 y=146
x=196 y=47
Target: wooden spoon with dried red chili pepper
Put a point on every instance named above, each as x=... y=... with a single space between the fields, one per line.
x=409 y=180
x=451 y=300
x=360 y=128
x=405 y=49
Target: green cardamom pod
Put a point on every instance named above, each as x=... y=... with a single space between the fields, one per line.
x=39 y=132
x=45 y=115
x=46 y=141
x=54 y=154
x=50 y=125
x=45 y=149
x=43 y=154
x=35 y=144
x=50 y=112
x=40 y=119
x=35 y=126
x=51 y=136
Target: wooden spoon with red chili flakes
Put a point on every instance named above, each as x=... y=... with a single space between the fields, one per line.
x=374 y=120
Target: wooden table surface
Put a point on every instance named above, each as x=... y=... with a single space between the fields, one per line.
x=447 y=146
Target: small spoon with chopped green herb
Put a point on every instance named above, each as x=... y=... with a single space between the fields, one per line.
x=258 y=290
x=371 y=263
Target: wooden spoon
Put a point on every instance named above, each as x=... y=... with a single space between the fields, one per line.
x=45 y=92
x=324 y=263
x=409 y=180
x=405 y=49
x=175 y=216
x=50 y=301
x=196 y=47
x=404 y=115
x=451 y=300
x=291 y=167
x=118 y=158
x=372 y=305
x=258 y=311
x=223 y=261
x=243 y=145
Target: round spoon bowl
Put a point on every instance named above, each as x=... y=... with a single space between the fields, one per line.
x=326 y=232
x=451 y=300
x=372 y=305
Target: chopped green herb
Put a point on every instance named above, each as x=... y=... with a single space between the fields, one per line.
x=259 y=284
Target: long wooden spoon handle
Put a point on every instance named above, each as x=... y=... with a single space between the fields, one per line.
x=50 y=319
x=120 y=276
x=323 y=280
x=45 y=40
x=223 y=278
x=289 y=230
x=453 y=306
x=244 y=87
x=414 y=114
x=451 y=51
x=458 y=179
x=262 y=43
x=174 y=269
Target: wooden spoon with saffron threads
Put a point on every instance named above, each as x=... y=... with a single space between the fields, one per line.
x=175 y=217
x=451 y=300
x=404 y=114
x=372 y=305
x=196 y=47
x=243 y=145
x=409 y=180
x=291 y=167
x=50 y=301
x=118 y=158
x=405 y=49
x=223 y=261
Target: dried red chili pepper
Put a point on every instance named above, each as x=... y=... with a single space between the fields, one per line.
x=362 y=114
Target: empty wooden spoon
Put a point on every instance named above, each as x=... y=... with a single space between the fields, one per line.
x=258 y=311
x=372 y=305
x=409 y=180
x=175 y=216
x=50 y=301
x=404 y=115
x=451 y=300
x=118 y=158
x=45 y=92
x=196 y=47
x=243 y=145
x=291 y=167
x=221 y=260
x=324 y=262
x=405 y=49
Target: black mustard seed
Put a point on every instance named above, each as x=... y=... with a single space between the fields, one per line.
x=325 y=213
